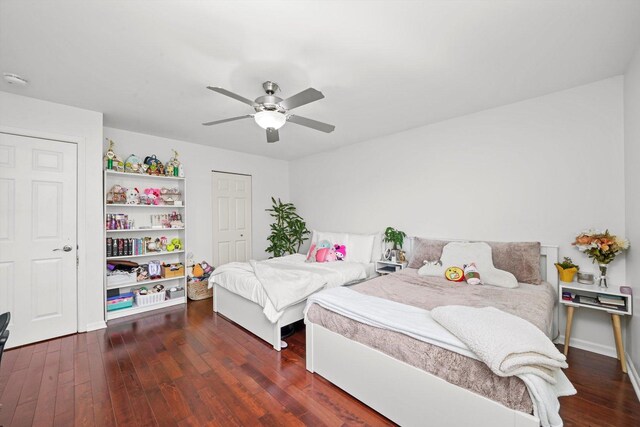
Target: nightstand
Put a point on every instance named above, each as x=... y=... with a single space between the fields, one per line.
x=595 y=298
x=386 y=267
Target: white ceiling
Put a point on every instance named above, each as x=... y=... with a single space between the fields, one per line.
x=383 y=66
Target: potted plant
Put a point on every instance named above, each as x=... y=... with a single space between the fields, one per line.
x=567 y=270
x=288 y=231
x=396 y=237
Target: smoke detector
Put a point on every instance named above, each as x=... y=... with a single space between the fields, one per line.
x=15 y=79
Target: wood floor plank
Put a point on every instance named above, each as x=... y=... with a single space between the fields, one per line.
x=11 y=395
x=46 y=404
x=83 y=403
x=190 y=367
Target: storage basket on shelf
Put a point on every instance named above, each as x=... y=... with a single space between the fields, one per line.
x=148 y=299
x=199 y=290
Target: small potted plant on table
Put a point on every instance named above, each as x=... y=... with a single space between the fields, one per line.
x=396 y=237
x=567 y=270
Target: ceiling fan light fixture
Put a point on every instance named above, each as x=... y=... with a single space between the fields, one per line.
x=270 y=119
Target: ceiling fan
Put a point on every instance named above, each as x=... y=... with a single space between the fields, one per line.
x=272 y=112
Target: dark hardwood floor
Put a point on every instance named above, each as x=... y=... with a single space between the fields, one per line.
x=191 y=367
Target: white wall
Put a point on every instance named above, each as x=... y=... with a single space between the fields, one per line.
x=632 y=193
x=542 y=169
x=46 y=119
x=270 y=177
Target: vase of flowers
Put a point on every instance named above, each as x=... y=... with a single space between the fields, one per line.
x=601 y=248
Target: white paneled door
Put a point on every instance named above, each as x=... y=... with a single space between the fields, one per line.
x=231 y=217
x=38 y=193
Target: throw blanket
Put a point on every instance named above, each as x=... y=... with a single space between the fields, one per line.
x=423 y=325
x=285 y=285
x=509 y=346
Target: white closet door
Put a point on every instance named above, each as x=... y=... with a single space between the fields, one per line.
x=231 y=218
x=38 y=198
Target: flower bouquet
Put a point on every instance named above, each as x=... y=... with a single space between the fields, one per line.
x=601 y=248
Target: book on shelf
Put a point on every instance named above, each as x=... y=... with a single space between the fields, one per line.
x=611 y=299
x=587 y=300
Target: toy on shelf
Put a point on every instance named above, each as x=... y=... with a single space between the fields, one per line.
x=117 y=195
x=133 y=164
x=171 y=196
x=111 y=159
x=174 y=167
x=133 y=196
x=152 y=196
x=154 y=166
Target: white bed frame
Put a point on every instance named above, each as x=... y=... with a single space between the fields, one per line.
x=405 y=394
x=250 y=316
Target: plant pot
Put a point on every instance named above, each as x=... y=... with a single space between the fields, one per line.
x=567 y=275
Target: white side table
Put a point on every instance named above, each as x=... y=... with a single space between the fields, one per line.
x=386 y=267
x=586 y=296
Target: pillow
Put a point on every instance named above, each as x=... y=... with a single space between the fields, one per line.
x=461 y=253
x=376 y=253
x=425 y=250
x=520 y=258
x=360 y=248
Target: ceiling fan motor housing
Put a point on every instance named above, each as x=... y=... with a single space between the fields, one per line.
x=269 y=103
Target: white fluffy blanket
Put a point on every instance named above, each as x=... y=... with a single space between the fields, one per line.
x=510 y=345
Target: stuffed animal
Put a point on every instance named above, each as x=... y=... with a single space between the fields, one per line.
x=341 y=252
x=153 y=196
x=197 y=271
x=133 y=196
x=319 y=251
x=331 y=255
x=454 y=274
x=472 y=275
x=177 y=243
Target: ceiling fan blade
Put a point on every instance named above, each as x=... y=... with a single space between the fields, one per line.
x=313 y=124
x=217 y=122
x=232 y=95
x=302 y=98
x=273 y=135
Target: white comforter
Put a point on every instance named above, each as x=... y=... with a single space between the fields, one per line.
x=278 y=283
x=494 y=337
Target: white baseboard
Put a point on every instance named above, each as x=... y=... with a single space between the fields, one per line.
x=96 y=325
x=633 y=375
x=605 y=350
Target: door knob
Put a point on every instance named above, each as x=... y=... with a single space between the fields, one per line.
x=65 y=248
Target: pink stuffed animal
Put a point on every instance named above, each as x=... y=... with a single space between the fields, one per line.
x=331 y=255
x=153 y=196
x=341 y=252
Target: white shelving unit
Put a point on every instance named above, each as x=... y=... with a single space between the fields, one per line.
x=141 y=215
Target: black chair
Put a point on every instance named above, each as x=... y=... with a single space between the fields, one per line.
x=4 y=332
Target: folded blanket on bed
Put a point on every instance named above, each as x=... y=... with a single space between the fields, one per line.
x=510 y=345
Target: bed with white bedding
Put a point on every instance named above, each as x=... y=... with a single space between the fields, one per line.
x=264 y=296
x=387 y=362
